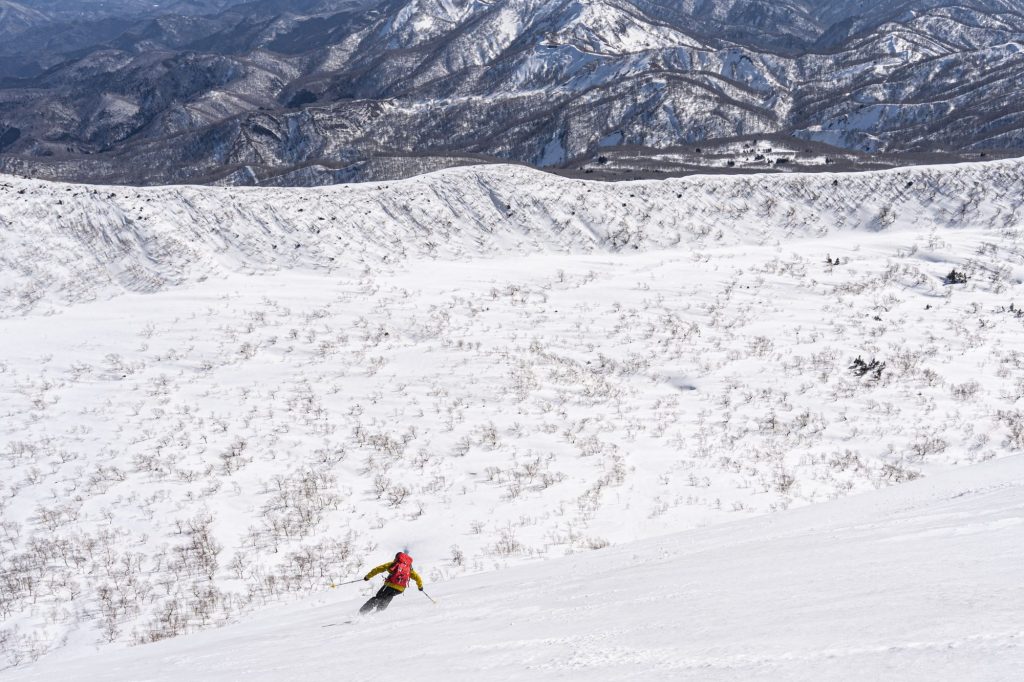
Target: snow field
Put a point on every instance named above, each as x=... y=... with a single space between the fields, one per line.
x=521 y=384
x=910 y=583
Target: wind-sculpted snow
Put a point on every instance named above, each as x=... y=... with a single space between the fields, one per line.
x=68 y=243
x=216 y=400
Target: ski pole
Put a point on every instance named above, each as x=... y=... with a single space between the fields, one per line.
x=428 y=596
x=350 y=582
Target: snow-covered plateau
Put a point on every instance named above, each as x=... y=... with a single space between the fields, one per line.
x=639 y=401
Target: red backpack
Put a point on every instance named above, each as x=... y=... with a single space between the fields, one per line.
x=399 y=573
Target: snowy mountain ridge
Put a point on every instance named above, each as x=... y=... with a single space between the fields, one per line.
x=142 y=239
x=324 y=91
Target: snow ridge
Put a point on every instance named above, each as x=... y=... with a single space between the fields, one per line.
x=66 y=243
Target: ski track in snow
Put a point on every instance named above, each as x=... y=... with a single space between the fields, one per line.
x=496 y=366
x=837 y=591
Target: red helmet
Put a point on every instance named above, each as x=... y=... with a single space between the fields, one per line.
x=403 y=558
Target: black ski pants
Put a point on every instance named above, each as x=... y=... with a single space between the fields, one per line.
x=380 y=601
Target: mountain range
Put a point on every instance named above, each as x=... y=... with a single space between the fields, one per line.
x=322 y=91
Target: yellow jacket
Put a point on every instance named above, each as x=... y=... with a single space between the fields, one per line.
x=384 y=567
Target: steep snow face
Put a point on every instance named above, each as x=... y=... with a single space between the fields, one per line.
x=481 y=37
x=216 y=400
x=607 y=29
x=421 y=21
x=921 y=582
x=597 y=25
x=144 y=239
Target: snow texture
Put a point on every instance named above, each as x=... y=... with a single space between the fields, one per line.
x=921 y=582
x=216 y=401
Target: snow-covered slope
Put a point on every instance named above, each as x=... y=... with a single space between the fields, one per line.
x=216 y=400
x=916 y=583
x=68 y=243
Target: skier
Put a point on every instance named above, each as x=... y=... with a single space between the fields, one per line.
x=399 y=572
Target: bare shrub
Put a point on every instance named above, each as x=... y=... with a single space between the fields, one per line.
x=1014 y=422
x=897 y=473
x=965 y=391
x=507 y=544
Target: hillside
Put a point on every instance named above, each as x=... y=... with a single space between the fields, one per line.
x=218 y=400
x=73 y=243
x=919 y=582
x=323 y=91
